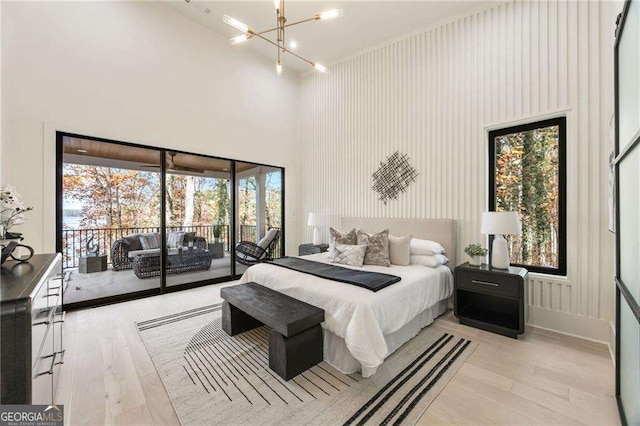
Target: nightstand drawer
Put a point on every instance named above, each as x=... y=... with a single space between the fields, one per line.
x=488 y=283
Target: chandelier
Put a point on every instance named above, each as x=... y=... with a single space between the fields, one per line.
x=281 y=25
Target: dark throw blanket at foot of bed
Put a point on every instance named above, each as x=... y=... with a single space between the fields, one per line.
x=370 y=280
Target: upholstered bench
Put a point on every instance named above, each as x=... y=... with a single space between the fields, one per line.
x=296 y=341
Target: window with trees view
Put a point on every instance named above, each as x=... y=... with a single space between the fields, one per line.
x=527 y=175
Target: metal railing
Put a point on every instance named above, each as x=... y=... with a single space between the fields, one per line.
x=74 y=240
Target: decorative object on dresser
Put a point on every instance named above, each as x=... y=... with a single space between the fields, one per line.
x=295 y=343
x=31 y=321
x=306 y=249
x=491 y=299
x=475 y=253
x=317 y=220
x=393 y=177
x=499 y=224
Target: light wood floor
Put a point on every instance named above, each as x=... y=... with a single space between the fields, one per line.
x=108 y=377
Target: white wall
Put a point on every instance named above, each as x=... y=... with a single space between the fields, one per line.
x=435 y=94
x=136 y=72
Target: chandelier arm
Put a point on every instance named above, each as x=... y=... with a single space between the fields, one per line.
x=286 y=26
x=284 y=49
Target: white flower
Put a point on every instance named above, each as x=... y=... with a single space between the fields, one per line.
x=12 y=208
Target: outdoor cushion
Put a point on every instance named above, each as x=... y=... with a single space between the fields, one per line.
x=266 y=240
x=150 y=241
x=175 y=239
x=133 y=253
x=134 y=241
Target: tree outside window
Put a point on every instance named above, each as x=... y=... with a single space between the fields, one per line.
x=527 y=166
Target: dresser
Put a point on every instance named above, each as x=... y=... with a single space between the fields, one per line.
x=491 y=299
x=31 y=319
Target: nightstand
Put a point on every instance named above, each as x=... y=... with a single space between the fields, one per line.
x=305 y=249
x=491 y=299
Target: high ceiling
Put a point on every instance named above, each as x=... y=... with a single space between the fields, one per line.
x=364 y=24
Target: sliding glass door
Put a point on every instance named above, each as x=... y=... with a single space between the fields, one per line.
x=110 y=198
x=198 y=218
x=118 y=245
x=627 y=169
x=258 y=210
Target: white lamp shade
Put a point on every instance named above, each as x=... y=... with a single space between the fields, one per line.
x=500 y=223
x=317 y=219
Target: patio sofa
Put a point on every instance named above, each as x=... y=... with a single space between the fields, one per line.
x=125 y=250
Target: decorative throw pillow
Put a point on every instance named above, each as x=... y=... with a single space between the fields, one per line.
x=399 y=250
x=134 y=242
x=427 y=247
x=150 y=241
x=346 y=254
x=377 y=247
x=430 y=261
x=175 y=239
x=339 y=237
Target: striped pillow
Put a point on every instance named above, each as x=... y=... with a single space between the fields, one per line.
x=150 y=241
x=175 y=239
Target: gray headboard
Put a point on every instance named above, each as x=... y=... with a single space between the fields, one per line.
x=440 y=230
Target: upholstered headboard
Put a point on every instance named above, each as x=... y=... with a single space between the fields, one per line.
x=440 y=230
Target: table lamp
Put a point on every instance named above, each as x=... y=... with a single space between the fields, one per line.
x=499 y=224
x=317 y=220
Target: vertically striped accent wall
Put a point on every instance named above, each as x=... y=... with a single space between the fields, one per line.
x=435 y=94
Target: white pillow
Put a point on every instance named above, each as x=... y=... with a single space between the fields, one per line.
x=346 y=254
x=427 y=247
x=430 y=261
x=399 y=250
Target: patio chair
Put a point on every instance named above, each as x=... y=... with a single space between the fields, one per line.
x=249 y=253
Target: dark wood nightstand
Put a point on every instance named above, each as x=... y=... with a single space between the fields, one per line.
x=305 y=249
x=491 y=299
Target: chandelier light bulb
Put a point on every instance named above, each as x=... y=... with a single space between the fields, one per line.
x=279 y=67
x=236 y=24
x=330 y=14
x=320 y=67
x=293 y=44
x=276 y=4
x=239 y=39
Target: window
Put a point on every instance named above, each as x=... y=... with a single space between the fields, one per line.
x=527 y=175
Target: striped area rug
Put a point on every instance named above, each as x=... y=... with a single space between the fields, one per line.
x=212 y=378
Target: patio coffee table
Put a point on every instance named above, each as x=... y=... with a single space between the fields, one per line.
x=178 y=262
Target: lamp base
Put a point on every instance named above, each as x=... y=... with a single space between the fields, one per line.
x=317 y=236
x=499 y=253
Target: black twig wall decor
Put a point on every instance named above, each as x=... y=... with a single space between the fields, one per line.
x=393 y=177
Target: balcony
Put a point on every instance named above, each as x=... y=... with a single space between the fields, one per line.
x=97 y=285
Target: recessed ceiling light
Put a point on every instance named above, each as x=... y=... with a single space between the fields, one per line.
x=82 y=151
x=293 y=44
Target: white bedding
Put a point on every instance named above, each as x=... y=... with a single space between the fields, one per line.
x=360 y=316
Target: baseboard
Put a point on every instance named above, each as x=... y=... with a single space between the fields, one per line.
x=593 y=330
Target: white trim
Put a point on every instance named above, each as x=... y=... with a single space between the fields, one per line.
x=518 y=121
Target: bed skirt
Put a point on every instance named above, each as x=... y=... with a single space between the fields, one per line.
x=337 y=354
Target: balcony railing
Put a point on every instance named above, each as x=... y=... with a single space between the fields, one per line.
x=74 y=240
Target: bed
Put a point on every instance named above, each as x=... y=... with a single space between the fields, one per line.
x=362 y=327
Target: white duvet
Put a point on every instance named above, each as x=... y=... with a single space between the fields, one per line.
x=360 y=316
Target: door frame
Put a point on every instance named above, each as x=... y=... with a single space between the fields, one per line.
x=163 y=289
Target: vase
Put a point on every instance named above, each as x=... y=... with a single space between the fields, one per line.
x=475 y=260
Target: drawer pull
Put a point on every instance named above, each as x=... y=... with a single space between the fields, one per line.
x=47 y=322
x=52 y=295
x=63 y=314
x=53 y=363
x=485 y=283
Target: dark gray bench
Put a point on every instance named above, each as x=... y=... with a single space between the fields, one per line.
x=296 y=342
